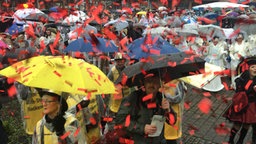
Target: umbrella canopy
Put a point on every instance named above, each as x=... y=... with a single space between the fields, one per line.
x=220 y=5
x=15 y=28
x=94 y=44
x=158 y=31
x=186 y=32
x=141 y=13
x=79 y=30
x=76 y=16
x=21 y=14
x=41 y=17
x=60 y=73
x=118 y=24
x=169 y=66
x=200 y=80
x=211 y=30
x=150 y=45
x=211 y=15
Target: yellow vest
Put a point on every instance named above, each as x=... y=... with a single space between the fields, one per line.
x=174 y=132
x=94 y=134
x=32 y=111
x=115 y=99
x=49 y=137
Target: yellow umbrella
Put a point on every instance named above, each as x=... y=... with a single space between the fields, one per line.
x=62 y=73
x=141 y=13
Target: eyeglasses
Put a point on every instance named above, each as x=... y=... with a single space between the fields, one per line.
x=47 y=101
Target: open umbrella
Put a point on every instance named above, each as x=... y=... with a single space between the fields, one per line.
x=60 y=73
x=211 y=15
x=15 y=28
x=150 y=45
x=21 y=14
x=211 y=30
x=220 y=5
x=90 y=44
x=141 y=13
x=169 y=66
x=158 y=31
x=118 y=24
x=39 y=17
x=76 y=16
x=200 y=80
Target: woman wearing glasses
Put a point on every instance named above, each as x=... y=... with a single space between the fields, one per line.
x=57 y=126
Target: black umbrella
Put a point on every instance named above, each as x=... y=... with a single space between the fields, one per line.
x=168 y=67
x=40 y=17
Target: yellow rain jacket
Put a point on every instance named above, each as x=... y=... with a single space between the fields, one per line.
x=115 y=99
x=174 y=132
x=32 y=111
x=92 y=134
x=71 y=126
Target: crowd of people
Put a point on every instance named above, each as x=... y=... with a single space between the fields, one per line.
x=127 y=117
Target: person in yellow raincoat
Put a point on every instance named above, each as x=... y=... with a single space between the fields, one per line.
x=174 y=91
x=57 y=125
x=31 y=106
x=88 y=115
x=115 y=99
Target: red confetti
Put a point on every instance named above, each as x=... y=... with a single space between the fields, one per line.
x=172 y=64
x=151 y=105
x=248 y=84
x=234 y=33
x=65 y=135
x=222 y=129
x=26 y=117
x=187 y=105
x=127 y=121
x=93 y=121
x=205 y=105
x=12 y=91
x=207 y=94
x=107 y=119
x=171 y=119
x=77 y=132
x=175 y=3
x=147 y=97
x=198 y=1
x=57 y=73
x=124 y=79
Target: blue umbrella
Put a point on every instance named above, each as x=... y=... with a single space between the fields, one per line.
x=15 y=29
x=92 y=44
x=149 y=45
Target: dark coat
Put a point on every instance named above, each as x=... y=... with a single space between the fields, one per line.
x=140 y=115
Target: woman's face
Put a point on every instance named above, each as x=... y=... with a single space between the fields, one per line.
x=50 y=105
x=252 y=70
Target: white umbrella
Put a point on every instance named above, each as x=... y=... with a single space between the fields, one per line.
x=186 y=31
x=220 y=5
x=77 y=16
x=211 y=30
x=119 y=24
x=202 y=80
x=158 y=31
x=21 y=14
